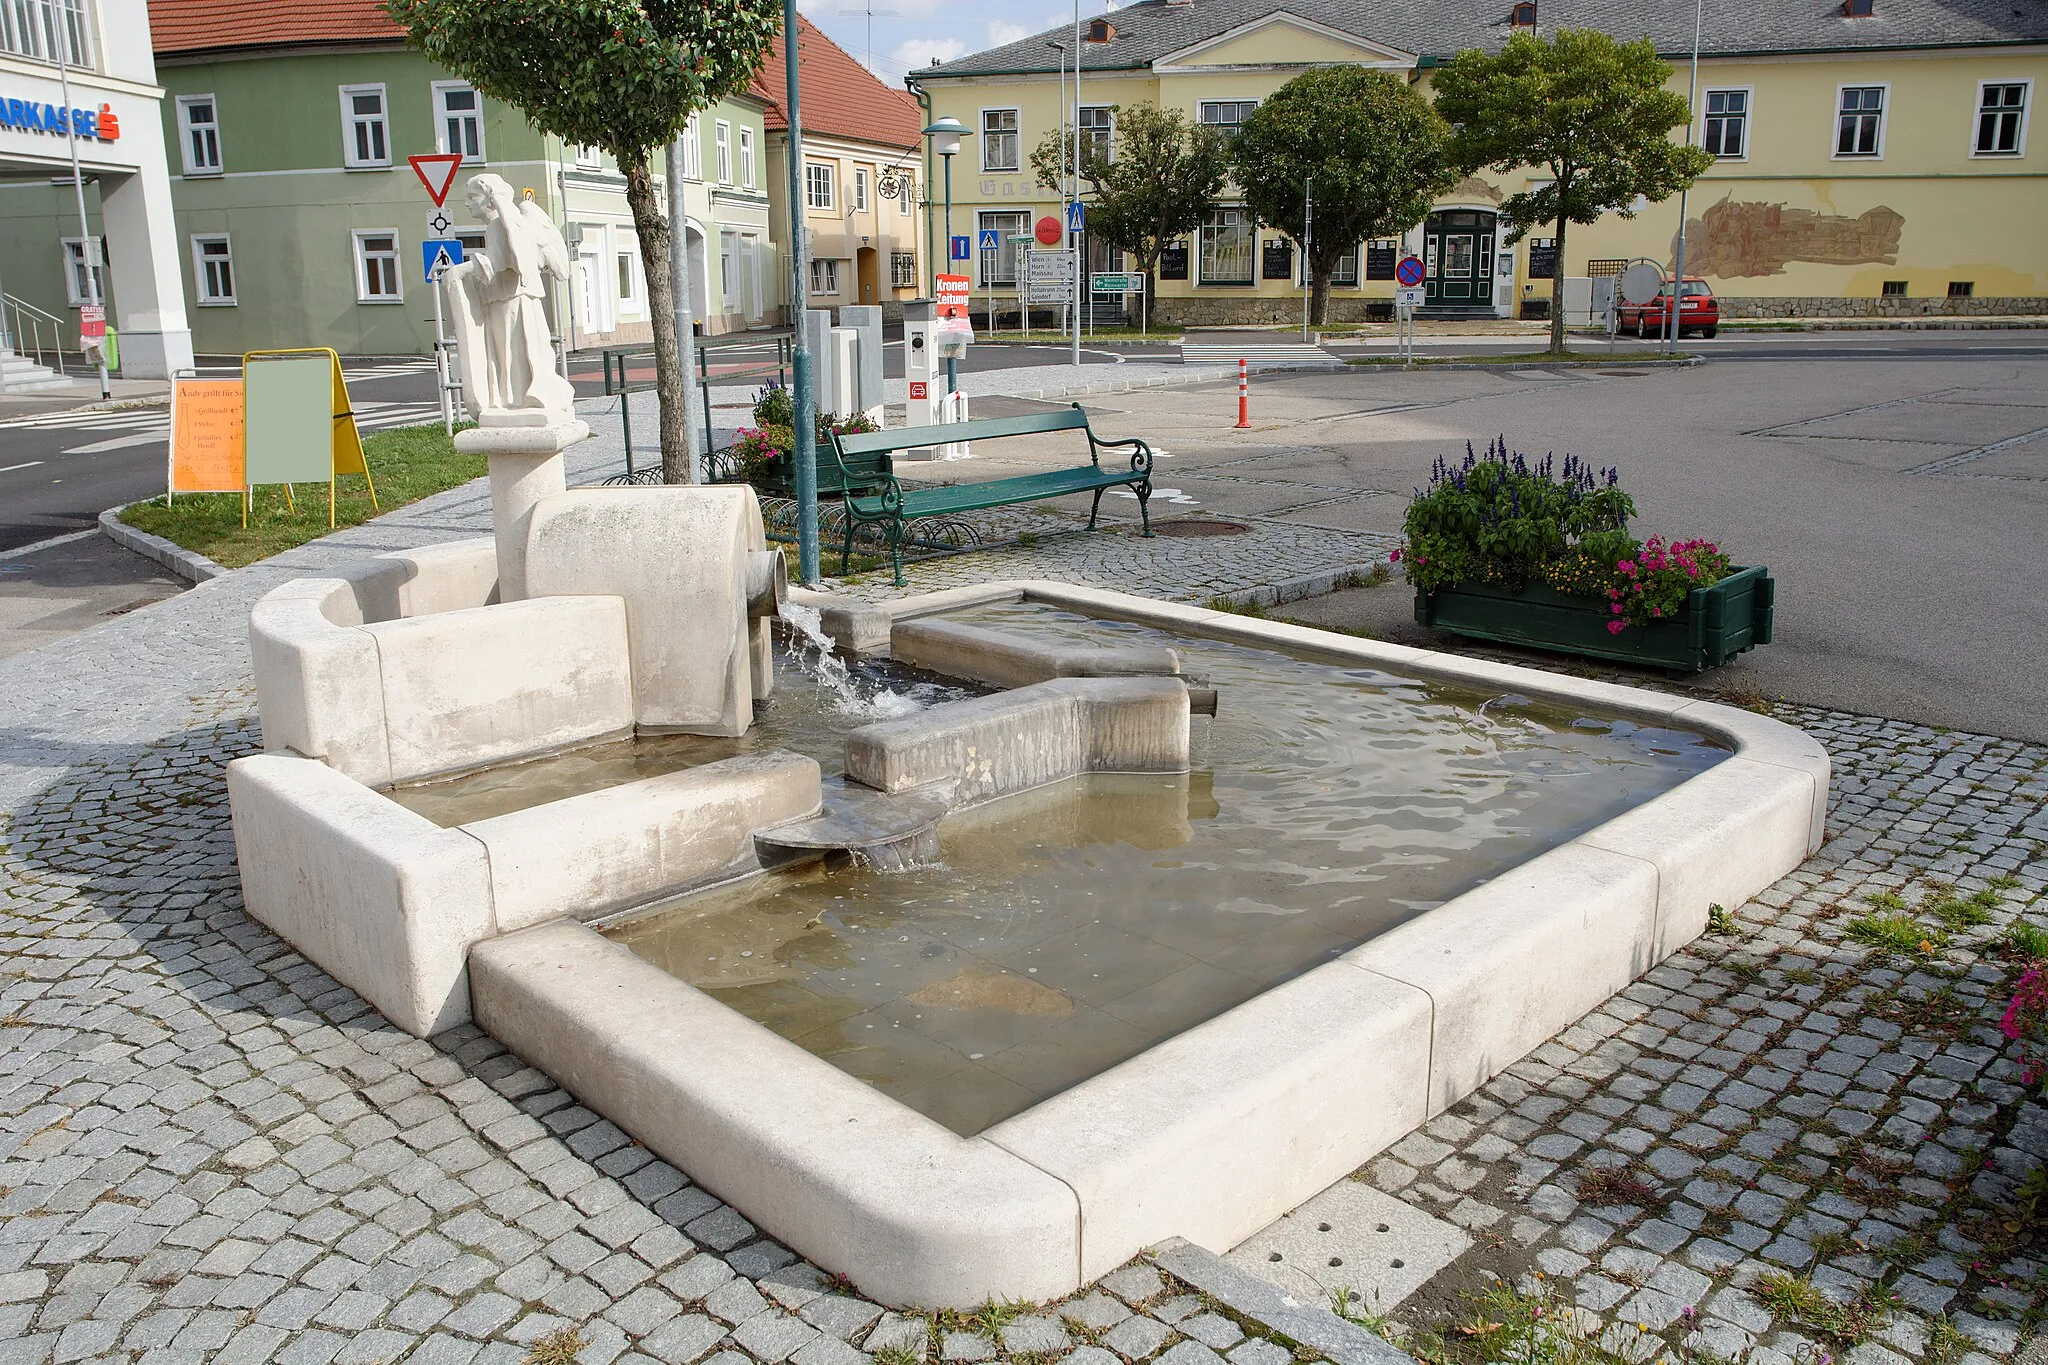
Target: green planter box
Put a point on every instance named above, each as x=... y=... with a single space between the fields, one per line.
x=1715 y=625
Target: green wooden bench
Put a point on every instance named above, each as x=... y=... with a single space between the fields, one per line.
x=854 y=457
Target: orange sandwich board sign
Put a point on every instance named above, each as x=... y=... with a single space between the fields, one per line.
x=206 y=436
x=436 y=171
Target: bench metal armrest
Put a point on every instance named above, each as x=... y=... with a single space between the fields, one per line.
x=1141 y=453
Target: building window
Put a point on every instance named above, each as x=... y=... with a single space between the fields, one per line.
x=903 y=270
x=999 y=140
x=1098 y=131
x=1859 y=123
x=589 y=158
x=1345 y=271
x=1101 y=31
x=999 y=267
x=1225 y=248
x=1229 y=115
x=860 y=189
x=1522 y=16
x=721 y=147
x=46 y=29
x=693 y=150
x=819 y=188
x=746 y=158
x=2001 y=118
x=729 y=271
x=199 y=120
x=213 y=270
x=1961 y=289
x=377 y=267
x=629 y=279
x=1894 y=289
x=365 y=130
x=825 y=276
x=1727 y=130
x=78 y=288
x=461 y=116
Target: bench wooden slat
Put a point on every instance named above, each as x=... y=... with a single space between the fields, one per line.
x=981 y=429
x=970 y=497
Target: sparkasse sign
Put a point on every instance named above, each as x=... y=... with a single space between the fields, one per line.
x=102 y=124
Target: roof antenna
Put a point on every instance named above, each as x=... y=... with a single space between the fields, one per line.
x=868 y=8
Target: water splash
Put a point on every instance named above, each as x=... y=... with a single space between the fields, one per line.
x=850 y=695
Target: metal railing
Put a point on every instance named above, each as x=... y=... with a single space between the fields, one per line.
x=22 y=328
x=47 y=30
x=617 y=380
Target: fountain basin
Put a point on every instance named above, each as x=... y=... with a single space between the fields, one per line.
x=1213 y=1132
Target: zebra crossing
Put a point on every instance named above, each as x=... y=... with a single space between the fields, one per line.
x=154 y=423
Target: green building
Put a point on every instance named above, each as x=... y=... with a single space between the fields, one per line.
x=301 y=223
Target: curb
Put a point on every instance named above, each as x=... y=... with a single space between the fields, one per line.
x=1163 y=381
x=1564 y=367
x=1295 y=589
x=193 y=568
x=1309 y=1325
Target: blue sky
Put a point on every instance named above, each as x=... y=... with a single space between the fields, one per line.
x=909 y=33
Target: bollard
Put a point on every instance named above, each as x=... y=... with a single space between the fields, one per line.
x=1244 y=402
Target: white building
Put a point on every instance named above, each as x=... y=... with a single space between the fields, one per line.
x=112 y=117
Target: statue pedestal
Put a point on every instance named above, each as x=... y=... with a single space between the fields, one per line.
x=525 y=448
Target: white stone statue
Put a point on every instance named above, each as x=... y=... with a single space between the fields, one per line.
x=499 y=298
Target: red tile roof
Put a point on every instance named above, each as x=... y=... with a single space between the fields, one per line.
x=178 y=26
x=841 y=97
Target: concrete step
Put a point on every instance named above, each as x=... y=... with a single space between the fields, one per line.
x=18 y=374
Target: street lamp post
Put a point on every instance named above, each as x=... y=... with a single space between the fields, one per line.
x=803 y=395
x=945 y=134
x=1692 y=97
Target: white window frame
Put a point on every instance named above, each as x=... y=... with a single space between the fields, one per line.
x=2026 y=116
x=201 y=296
x=186 y=130
x=361 y=256
x=1884 y=120
x=746 y=157
x=693 y=149
x=632 y=297
x=987 y=140
x=906 y=276
x=1247 y=223
x=860 y=189
x=830 y=203
x=827 y=269
x=441 y=91
x=729 y=256
x=589 y=158
x=351 y=120
x=1748 y=93
x=989 y=273
x=1231 y=128
x=1088 y=134
x=721 y=144
x=74 y=263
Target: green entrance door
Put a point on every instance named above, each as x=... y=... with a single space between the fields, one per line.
x=1457 y=258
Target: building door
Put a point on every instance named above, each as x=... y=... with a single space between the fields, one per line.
x=1458 y=259
x=867 y=268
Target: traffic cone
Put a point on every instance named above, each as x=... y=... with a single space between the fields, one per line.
x=1244 y=402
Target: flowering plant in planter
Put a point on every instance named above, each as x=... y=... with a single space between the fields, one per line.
x=1503 y=520
x=765 y=450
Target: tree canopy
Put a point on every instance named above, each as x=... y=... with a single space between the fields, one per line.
x=1593 y=111
x=1368 y=147
x=1161 y=175
x=624 y=75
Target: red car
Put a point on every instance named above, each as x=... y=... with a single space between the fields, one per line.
x=1698 y=312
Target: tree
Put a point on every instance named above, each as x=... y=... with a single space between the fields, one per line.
x=1594 y=111
x=1371 y=149
x=623 y=75
x=1162 y=174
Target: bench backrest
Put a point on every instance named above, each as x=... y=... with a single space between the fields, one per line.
x=867 y=445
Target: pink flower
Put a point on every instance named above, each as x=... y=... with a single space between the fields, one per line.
x=1394 y=556
x=1616 y=627
x=1616 y=608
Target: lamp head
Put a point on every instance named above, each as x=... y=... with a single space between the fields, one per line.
x=946 y=133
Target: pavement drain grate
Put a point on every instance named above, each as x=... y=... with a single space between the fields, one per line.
x=1198 y=527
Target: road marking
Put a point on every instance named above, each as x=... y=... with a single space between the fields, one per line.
x=1965 y=457
x=142 y=438
x=9 y=469
x=53 y=541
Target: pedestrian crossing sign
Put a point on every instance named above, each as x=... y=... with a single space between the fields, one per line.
x=991 y=240
x=434 y=251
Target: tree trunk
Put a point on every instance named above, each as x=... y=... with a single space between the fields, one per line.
x=671 y=385
x=1557 y=290
x=1319 y=291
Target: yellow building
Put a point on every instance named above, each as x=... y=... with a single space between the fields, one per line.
x=1872 y=156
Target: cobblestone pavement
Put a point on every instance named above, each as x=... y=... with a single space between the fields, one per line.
x=209 y=1151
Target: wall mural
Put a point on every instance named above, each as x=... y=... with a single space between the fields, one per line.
x=1738 y=238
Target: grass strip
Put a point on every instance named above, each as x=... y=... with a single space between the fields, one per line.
x=408 y=463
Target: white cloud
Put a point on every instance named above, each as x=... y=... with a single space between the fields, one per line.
x=922 y=52
x=1001 y=32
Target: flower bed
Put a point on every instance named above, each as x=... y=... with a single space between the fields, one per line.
x=1539 y=553
x=764 y=454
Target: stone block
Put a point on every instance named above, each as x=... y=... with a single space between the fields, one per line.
x=621 y=845
x=1351 y=1236
x=1215 y=1132
x=318 y=687
x=1013 y=741
x=1511 y=962
x=463 y=689
x=848 y=1177
x=679 y=559
x=960 y=650
x=385 y=901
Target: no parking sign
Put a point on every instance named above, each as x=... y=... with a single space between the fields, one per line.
x=1409 y=271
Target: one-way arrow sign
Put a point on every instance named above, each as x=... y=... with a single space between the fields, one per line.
x=436 y=171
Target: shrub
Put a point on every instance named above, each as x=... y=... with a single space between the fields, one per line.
x=2026 y=1021
x=1500 y=519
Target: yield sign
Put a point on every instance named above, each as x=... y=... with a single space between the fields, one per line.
x=436 y=171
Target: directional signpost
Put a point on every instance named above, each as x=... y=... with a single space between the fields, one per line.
x=436 y=171
x=1127 y=283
